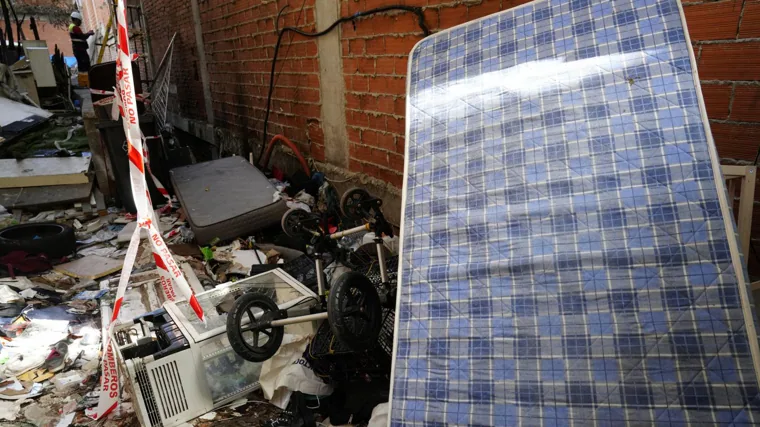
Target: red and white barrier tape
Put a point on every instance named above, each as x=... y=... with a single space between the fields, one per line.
x=170 y=273
x=160 y=187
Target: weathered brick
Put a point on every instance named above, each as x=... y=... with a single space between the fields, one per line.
x=317 y=152
x=355 y=165
x=735 y=140
x=356 y=47
x=395 y=45
x=377 y=122
x=388 y=85
x=452 y=16
x=730 y=61
x=401 y=145
x=357 y=118
x=377 y=139
x=485 y=8
x=396 y=162
x=360 y=152
x=354 y=134
x=396 y=125
x=400 y=106
x=746 y=104
x=750 y=26
x=385 y=65
x=717 y=100
x=357 y=83
x=380 y=157
x=401 y=65
x=375 y=46
x=353 y=101
x=391 y=177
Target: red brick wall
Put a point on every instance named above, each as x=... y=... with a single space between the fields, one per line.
x=725 y=37
x=51 y=34
x=164 y=18
x=239 y=40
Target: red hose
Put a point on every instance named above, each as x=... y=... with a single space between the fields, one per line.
x=282 y=138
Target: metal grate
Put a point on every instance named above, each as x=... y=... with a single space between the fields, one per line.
x=160 y=89
x=149 y=399
x=170 y=389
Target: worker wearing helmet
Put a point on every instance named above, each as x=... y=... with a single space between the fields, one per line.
x=79 y=42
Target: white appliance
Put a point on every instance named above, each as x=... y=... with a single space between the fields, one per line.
x=177 y=368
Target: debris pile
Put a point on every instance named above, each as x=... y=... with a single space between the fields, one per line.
x=240 y=233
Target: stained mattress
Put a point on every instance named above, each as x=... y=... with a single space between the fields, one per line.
x=226 y=198
x=568 y=254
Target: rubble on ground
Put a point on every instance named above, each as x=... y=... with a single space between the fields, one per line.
x=51 y=321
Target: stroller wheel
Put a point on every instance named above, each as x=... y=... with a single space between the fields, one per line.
x=350 y=201
x=250 y=337
x=293 y=222
x=354 y=311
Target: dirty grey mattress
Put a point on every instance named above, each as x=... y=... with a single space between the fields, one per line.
x=226 y=198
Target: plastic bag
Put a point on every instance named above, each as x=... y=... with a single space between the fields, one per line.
x=287 y=371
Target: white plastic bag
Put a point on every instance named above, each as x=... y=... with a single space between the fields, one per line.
x=379 y=415
x=287 y=371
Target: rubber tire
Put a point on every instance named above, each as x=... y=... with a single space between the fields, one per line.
x=339 y=327
x=56 y=241
x=237 y=341
x=295 y=213
x=349 y=195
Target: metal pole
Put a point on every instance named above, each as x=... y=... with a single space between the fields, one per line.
x=299 y=319
x=381 y=260
x=320 y=275
x=341 y=234
x=205 y=80
x=33 y=26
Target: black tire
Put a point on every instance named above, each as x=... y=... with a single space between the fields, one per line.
x=51 y=239
x=351 y=198
x=292 y=222
x=252 y=351
x=354 y=311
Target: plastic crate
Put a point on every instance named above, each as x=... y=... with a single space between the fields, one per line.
x=334 y=361
x=302 y=269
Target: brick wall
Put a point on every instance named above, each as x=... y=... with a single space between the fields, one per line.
x=726 y=38
x=240 y=38
x=51 y=34
x=164 y=18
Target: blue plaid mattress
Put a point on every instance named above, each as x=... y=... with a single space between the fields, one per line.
x=568 y=256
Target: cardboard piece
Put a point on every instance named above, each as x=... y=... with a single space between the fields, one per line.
x=90 y=267
x=40 y=172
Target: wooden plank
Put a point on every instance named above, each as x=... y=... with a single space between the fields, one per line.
x=732 y=191
x=746 y=206
x=40 y=198
x=90 y=267
x=39 y=172
x=733 y=171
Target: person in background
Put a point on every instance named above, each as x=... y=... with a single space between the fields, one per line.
x=79 y=42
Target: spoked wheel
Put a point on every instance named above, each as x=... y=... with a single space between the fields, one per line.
x=350 y=201
x=249 y=337
x=354 y=311
x=293 y=222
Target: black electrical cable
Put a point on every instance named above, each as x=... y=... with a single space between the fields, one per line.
x=416 y=10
